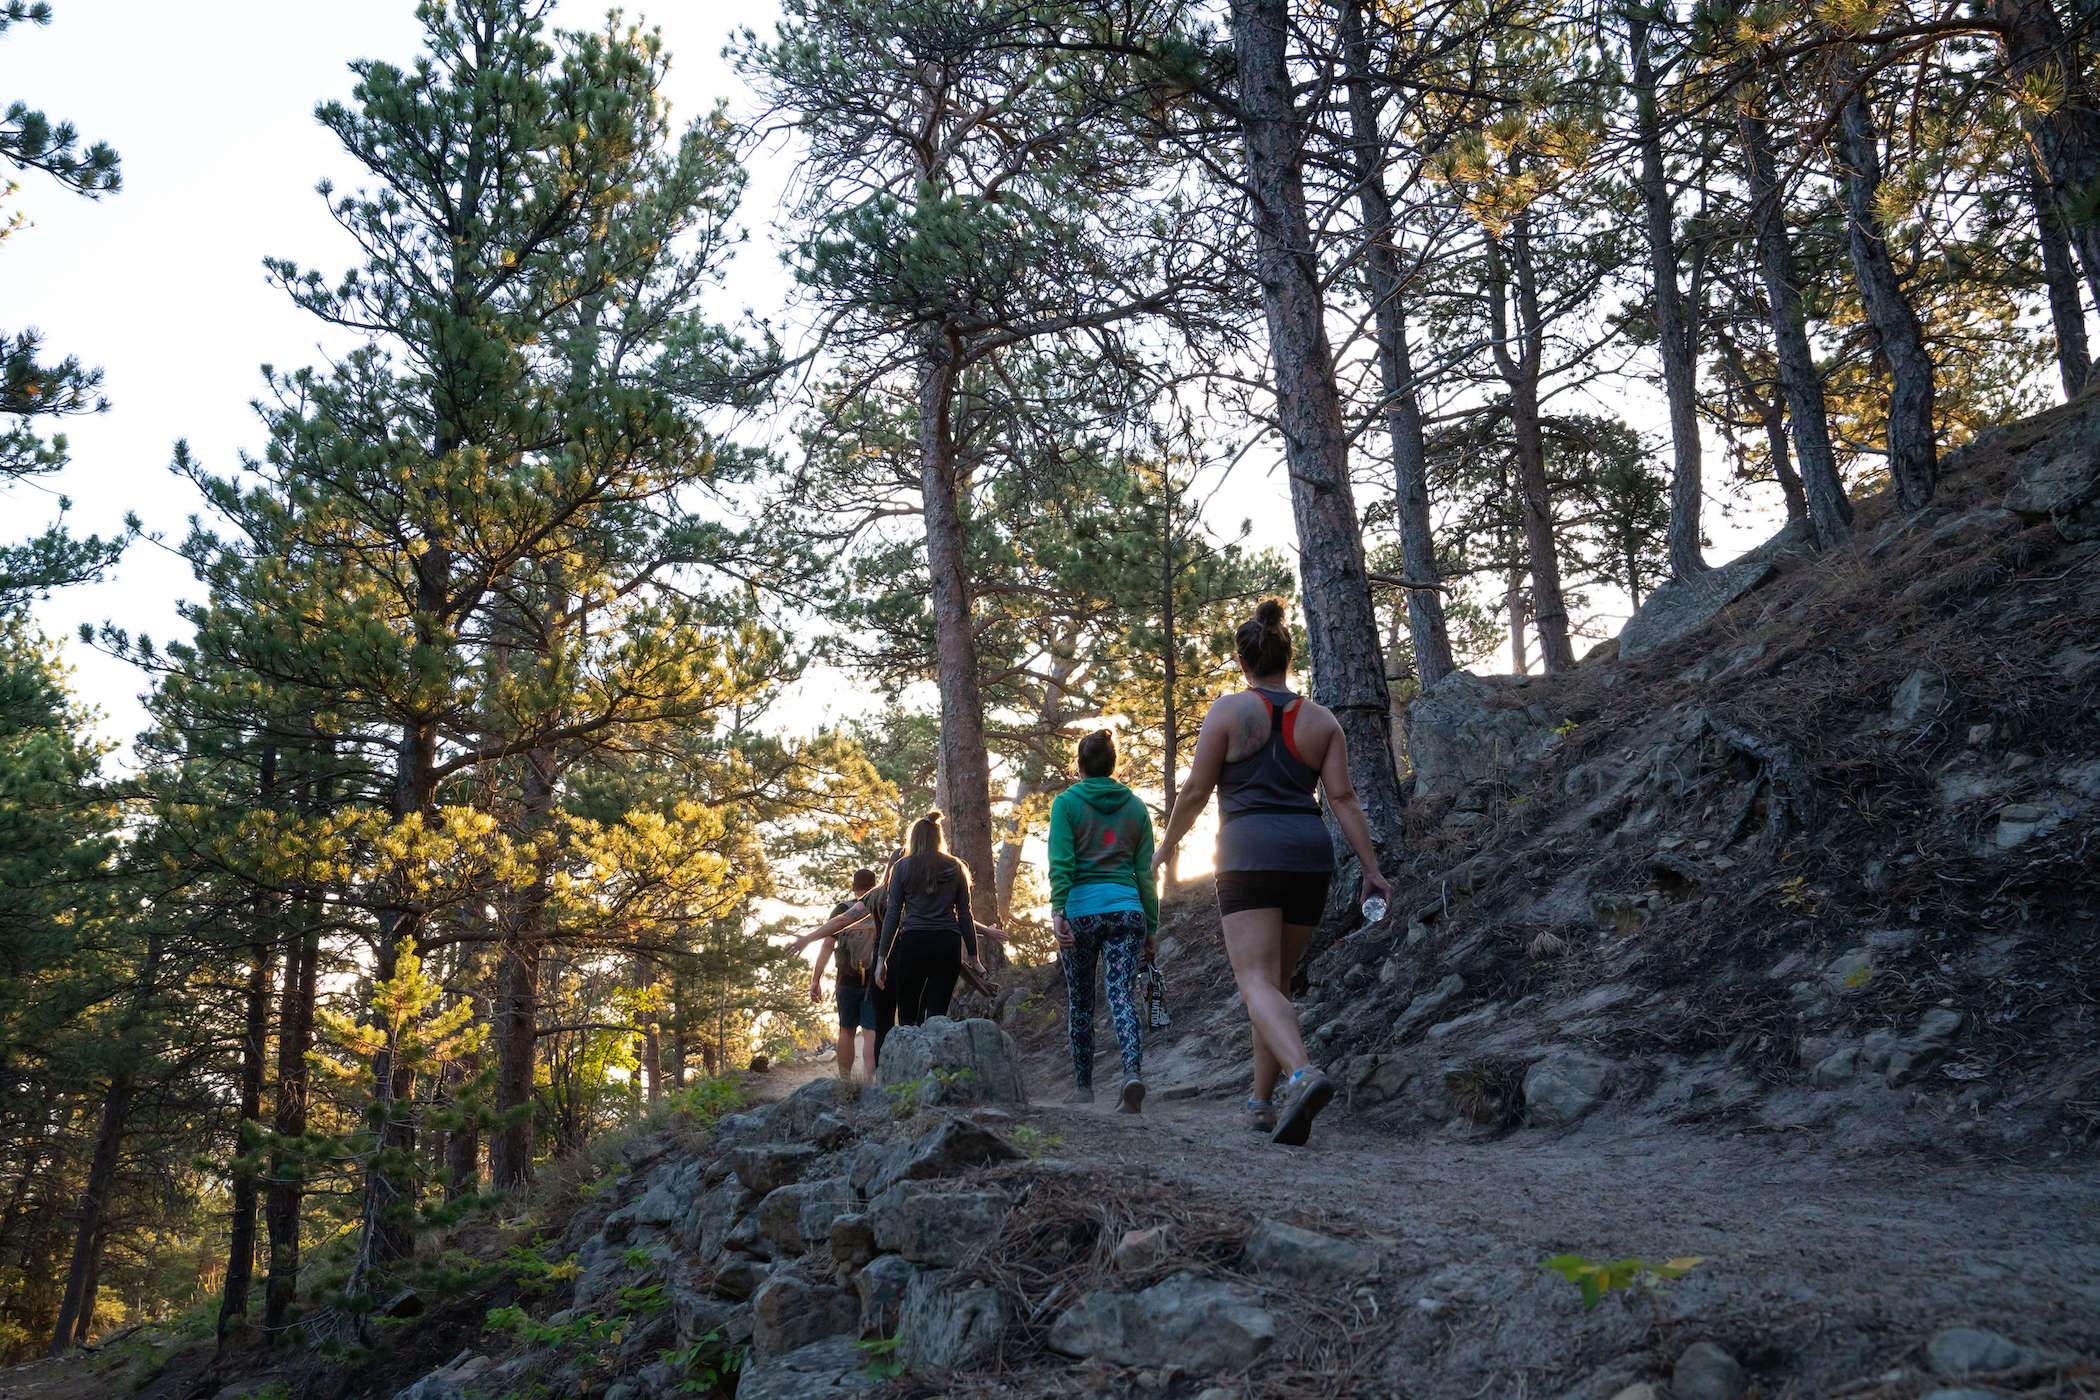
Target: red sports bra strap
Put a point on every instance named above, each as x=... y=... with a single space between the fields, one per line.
x=1290 y=727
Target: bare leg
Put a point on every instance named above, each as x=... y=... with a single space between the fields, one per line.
x=846 y=1050
x=1263 y=952
x=867 y=1051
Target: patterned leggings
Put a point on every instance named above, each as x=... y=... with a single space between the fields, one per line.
x=1120 y=934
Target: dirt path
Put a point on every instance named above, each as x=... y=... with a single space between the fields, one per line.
x=1819 y=1271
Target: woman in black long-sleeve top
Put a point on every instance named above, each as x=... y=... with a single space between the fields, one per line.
x=927 y=932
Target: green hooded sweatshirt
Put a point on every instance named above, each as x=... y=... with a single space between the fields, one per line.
x=1100 y=833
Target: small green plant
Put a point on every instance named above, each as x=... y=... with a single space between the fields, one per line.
x=1033 y=1141
x=708 y=1101
x=637 y=1258
x=1594 y=1280
x=533 y=1271
x=883 y=1364
x=705 y=1365
x=1565 y=728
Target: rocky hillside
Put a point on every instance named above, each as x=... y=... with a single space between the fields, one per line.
x=1765 y=940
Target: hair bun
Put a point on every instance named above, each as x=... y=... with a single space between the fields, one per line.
x=934 y=816
x=1270 y=614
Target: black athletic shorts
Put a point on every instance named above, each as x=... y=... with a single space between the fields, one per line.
x=1300 y=894
x=856 y=1004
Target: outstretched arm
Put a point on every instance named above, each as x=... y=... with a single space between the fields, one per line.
x=854 y=913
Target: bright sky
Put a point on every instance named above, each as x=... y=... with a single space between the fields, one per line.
x=162 y=284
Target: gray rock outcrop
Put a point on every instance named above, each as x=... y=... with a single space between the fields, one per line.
x=955 y=1062
x=1677 y=609
x=1202 y=1325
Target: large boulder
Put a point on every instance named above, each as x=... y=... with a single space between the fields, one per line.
x=789 y=1313
x=954 y=1062
x=766 y=1169
x=1204 y=1326
x=881 y=1287
x=941 y=1327
x=1678 y=608
x=462 y=1378
x=954 y=1147
x=1467 y=729
x=798 y=1217
x=826 y=1370
x=2059 y=482
x=928 y=1225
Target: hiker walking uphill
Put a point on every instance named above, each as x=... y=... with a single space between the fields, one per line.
x=927 y=933
x=1104 y=901
x=1267 y=752
x=851 y=951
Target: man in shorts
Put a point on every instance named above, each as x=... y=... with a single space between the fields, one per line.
x=851 y=951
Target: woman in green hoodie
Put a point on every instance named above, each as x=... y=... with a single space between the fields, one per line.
x=1106 y=908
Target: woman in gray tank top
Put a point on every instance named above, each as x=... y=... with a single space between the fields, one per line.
x=1269 y=753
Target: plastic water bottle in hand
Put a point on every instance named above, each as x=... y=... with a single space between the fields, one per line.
x=1374 y=909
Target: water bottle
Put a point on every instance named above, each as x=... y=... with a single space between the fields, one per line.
x=1155 y=998
x=1374 y=909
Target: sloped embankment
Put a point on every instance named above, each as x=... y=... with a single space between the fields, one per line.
x=1824 y=865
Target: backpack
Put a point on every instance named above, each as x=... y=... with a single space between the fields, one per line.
x=855 y=949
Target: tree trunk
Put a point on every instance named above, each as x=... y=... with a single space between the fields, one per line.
x=1170 y=716
x=240 y=1249
x=1898 y=337
x=1519 y=617
x=84 y=1325
x=463 y=1142
x=89 y=1231
x=2066 y=139
x=1341 y=624
x=295 y=1024
x=1673 y=331
x=1829 y=513
x=1774 y=416
x=965 y=763
x=516 y=1019
x=1403 y=409
x=2066 y=302
x=1515 y=289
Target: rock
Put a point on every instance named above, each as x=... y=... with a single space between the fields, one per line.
x=826 y=1370
x=1957 y=1351
x=930 y=1226
x=1878 y=1049
x=794 y=1119
x=696 y=1315
x=1962 y=1393
x=788 y=1314
x=739 y=1129
x=1201 y=1325
x=957 y=1062
x=830 y=1132
x=1376 y=1079
x=448 y=1382
x=1938 y=1026
x=954 y=1147
x=941 y=1328
x=740 y=1278
x=1681 y=607
x=1639 y=1390
x=1564 y=1086
x=1705 y=1372
x=1977 y=527
x=1306 y=1255
x=1919 y=696
x=852 y=1242
x=1139 y=1249
x=1469 y=729
x=2063 y=489
x=1424 y=1008
x=796 y=1218
x=1836 y=1068
x=2018 y=822
x=764 y=1170
x=881 y=1287
x=1850 y=971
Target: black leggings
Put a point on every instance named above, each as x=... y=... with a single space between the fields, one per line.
x=923 y=966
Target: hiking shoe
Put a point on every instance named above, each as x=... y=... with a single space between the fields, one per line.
x=1133 y=1100
x=1083 y=1093
x=1261 y=1115
x=1303 y=1098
